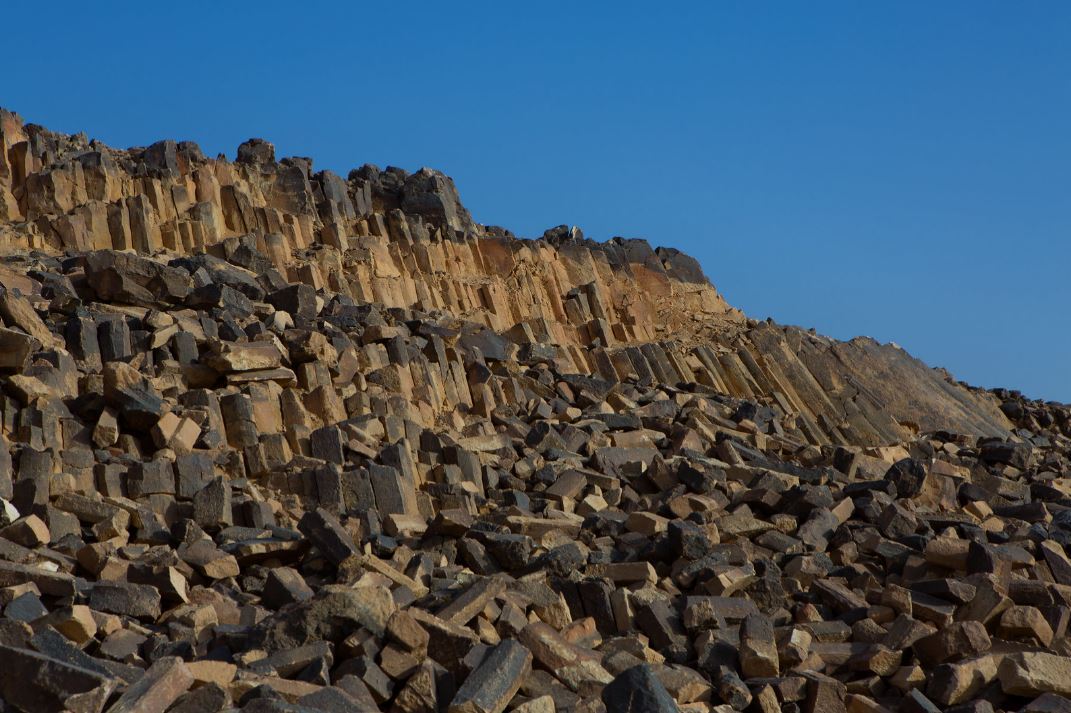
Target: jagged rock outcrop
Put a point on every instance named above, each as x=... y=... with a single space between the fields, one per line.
x=618 y=309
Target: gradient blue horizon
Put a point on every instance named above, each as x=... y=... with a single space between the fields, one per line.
x=896 y=170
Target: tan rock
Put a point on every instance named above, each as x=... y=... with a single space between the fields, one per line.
x=166 y=680
x=17 y=311
x=758 y=648
x=220 y=673
x=1032 y=673
x=106 y=431
x=247 y=356
x=76 y=622
x=29 y=531
x=550 y=649
x=1019 y=622
x=646 y=523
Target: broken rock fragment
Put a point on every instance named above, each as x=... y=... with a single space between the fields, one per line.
x=491 y=687
x=638 y=689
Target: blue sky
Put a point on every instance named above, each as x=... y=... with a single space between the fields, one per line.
x=899 y=170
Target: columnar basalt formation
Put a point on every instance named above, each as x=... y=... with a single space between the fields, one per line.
x=398 y=239
x=618 y=309
x=272 y=440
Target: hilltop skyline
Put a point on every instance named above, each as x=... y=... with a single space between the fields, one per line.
x=891 y=172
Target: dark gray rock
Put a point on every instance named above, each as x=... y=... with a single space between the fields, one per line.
x=638 y=690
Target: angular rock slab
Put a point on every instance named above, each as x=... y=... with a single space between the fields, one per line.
x=638 y=690
x=490 y=687
x=34 y=682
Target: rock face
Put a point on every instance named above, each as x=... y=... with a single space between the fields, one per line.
x=275 y=440
x=619 y=309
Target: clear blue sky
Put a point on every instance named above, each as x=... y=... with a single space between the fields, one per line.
x=898 y=169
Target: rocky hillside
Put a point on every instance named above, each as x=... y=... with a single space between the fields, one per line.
x=275 y=440
x=618 y=309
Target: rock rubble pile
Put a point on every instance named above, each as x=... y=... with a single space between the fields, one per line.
x=351 y=451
